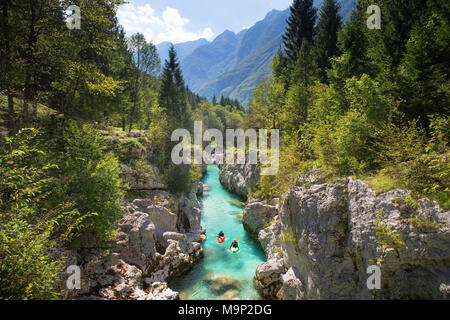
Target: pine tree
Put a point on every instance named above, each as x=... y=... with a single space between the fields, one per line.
x=353 y=44
x=173 y=98
x=327 y=32
x=299 y=95
x=172 y=93
x=300 y=27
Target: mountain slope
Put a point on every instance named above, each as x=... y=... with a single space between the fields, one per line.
x=234 y=64
x=209 y=61
x=253 y=57
x=183 y=49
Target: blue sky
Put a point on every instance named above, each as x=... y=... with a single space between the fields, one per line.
x=186 y=20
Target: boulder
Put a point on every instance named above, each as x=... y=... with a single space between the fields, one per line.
x=292 y=287
x=268 y=278
x=160 y=291
x=137 y=239
x=269 y=238
x=190 y=215
x=149 y=244
x=178 y=258
x=111 y=279
x=239 y=179
x=256 y=216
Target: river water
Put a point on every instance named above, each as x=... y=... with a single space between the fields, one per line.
x=222 y=274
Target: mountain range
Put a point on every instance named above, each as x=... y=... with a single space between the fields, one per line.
x=233 y=64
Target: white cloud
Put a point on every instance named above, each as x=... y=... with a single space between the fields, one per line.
x=171 y=26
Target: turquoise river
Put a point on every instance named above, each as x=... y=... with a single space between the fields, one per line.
x=221 y=274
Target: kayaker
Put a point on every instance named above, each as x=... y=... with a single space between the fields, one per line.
x=220 y=237
x=235 y=244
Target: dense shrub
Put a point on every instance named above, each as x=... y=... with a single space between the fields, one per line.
x=28 y=268
x=89 y=178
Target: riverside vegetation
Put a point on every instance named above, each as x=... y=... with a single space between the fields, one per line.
x=86 y=175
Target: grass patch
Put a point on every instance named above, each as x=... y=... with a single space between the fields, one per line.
x=381 y=182
x=424 y=225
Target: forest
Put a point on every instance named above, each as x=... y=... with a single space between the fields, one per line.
x=371 y=103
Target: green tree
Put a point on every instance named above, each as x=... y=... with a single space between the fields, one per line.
x=300 y=27
x=299 y=94
x=88 y=177
x=327 y=32
x=146 y=61
x=426 y=70
x=172 y=92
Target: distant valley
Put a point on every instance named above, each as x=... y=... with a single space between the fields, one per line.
x=232 y=64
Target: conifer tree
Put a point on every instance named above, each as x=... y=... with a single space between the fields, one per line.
x=172 y=93
x=327 y=32
x=300 y=27
x=299 y=96
x=173 y=98
x=353 y=44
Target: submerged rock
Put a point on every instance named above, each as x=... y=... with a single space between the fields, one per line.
x=222 y=284
x=230 y=295
x=237 y=203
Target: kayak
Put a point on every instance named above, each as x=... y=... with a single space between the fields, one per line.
x=234 y=250
x=220 y=239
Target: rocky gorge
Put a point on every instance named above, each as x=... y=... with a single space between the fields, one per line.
x=320 y=238
x=158 y=237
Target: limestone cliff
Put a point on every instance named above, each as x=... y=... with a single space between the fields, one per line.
x=322 y=238
x=239 y=179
